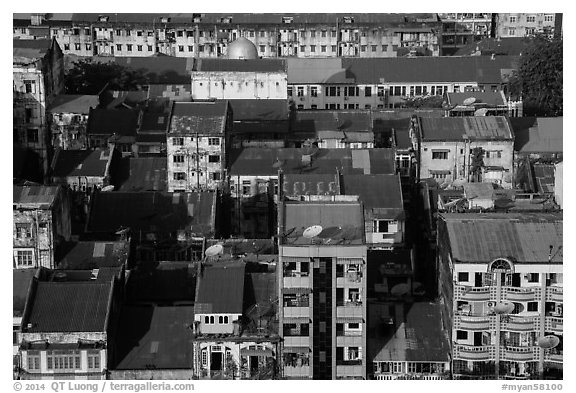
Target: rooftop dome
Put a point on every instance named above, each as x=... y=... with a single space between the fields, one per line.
x=242 y=48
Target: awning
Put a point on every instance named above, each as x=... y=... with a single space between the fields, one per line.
x=494 y=168
x=297 y=290
x=255 y=352
x=349 y=320
x=439 y=171
x=296 y=320
x=296 y=349
x=440 y=150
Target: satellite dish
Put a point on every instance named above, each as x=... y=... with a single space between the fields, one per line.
x=548 y=342
x=469 y=101
x=108 y=188
x=330 y=232
x=481 y=112
x=214 y=250
x=417 y=289
x=504 y=308
x=400 y=289
x=312 y=231
x=278 y=163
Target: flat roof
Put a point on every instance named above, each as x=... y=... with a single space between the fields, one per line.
x=163 y=282
x=85 y=255
x=220 y=289
x=112 y=121
x=81 y=163
x=524 y=237
x=341 y=222
x=74 y=103
x=470 y=127
x=491 y=98
x=157 y=337
x=142 y=174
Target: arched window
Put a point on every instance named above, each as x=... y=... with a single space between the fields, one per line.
x=226 y=319
x=212 y=319
x=206 y=319
x=220 y=320
x=503 y=265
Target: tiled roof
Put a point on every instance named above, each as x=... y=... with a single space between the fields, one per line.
x=87 y=255
x=21 y=279
x=69 y=307
x=524 y=237
x=34 y=195
x=454 y=128
x=80 y=163
x=73 y=103
x=153 y=212
x=112 y=121
x=264 y=161
x=538 y=135
x=201 y=117
x=236 y=65
x=221 y=289
x=142 y=174
x=342 y=222
x=157 y=337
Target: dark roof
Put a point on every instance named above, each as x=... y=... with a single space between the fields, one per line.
x=80 y=163
x=538 y=135
x=30 y=49
x=157 y=337
x=544 y=176
x=296 y=185
x=221 y=289
x=454 y=128
x=263 y=161
x=73 y=103
x=21 y=280
x=259 y=110
x=490 y=98
x=509 y=46
x=378 y=192
x=163 y=283
x=87 y=255
x=153 y=212
x=327 y=120
x=112 y=121
x=40 y=196
x=142 y=174
x=202 y=117
x=159 y=69
x=422 y=338
x=525 y=237
x=69 y=307
x=343 y=223
x=236 y=65
x=126 y=99
x=428 y=69
x=157 y=122
x=325 y=70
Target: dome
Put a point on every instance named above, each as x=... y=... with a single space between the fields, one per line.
x=242 y=48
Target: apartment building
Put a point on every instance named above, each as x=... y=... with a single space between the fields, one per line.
x=68 y=119
x=446 y=146
x=41 y=223
x=462 y=29
x=210 y=35
x=527 y=24
x=378 y=83
x=501 y=282
x=197 y=143
x=322 y=289
x=38 y=76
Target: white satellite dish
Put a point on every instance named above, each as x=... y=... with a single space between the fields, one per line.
x=481 y=112
x=469 y=101
x=312 y=231
x=214 y=250
x=548 y=342
x=504 y=308
x=108 y=188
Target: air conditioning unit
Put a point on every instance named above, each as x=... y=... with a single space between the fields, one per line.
x=491 y=304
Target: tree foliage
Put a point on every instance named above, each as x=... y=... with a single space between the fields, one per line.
x=423 y=102
x=477 y=162
x=88 y=77
x=539 y=77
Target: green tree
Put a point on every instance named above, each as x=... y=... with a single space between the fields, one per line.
x=476 y=163
x=539 y=77
x=88 y=77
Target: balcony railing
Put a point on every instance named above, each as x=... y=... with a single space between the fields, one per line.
x=356 y=362
x=520 y=294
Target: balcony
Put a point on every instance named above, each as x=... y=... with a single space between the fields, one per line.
x=474 y=323
x=479 y=353
x=519 y=354
x=555 y=294
x=297 y=371
x=520 y=294
x=553 y=357
x=296 y=312
x=476 y=293
x=296 y=280
x=349 y=341
x=518 y=323
x=297 y=341
x=350 y=368
x=554 y=324
x=349 y=310
x=345 y=279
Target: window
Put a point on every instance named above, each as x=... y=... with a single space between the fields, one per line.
x=213 y=141
x=215 y=176
x=150 y=49
x=314 y=91
x=461 y=335
x=177 y=141
x=533 y=306
x=512 y=19
x=333 y=48
x=384 y=48
x=200 y=48
x=373 y=48
x=30 y=86
x=66 y=46
x=533 y=277
x=418 y=90
x=385 y=226
x=289 y=91
x=246 y=187
x=333 y=33
x=380 y=91
x=179 y=176
x=531 y=19
x=323 y=48
x=86 y=31
x=463 y=276
x=23 y=231
x=33 y=360
x=213 y=158
x=439 y=155
x=204 y=357
x=63 y=360
x=333 y=91
x=262 y=48
x=77 y=46
x=363 y=48
x=323 y=33
x=118 y=47
x=129 y=48
x=300 y=91
x=88 y=46
x=302 y=48
x=127 y=33
x=313 y=106
x=178 y=159
x=139 y=47
x=32 y=135
x=312 y=48
x=206 y=319
x=512 y=31
x=226 y=319
x=220 y=319
x=548 y=18
x=93 y=360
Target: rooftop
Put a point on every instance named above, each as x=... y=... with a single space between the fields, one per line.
x=240 y=65
x=381 y=194
x=80 y=163
x=157 y=337
x=267 y=161
x=342 y=223
x=153 y=212
x=69 y=307
x=74 y=103
x=112 y=121
x=417 y=337
x=26 y=50
x=202 y=117
x=538 y=135
x=41 y=197
x=471 y=127
x=354 y=125
x=487 y=98
x=509 y=46
x=524 y=237
x=220 y=289
x=86 y=255
x=158 y=69
x=326 y=70
x=21 y=280
x=141 y=174
x=163 y=282
x=259 y=110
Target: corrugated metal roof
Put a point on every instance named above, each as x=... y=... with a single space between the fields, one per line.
x=323 y=70
x=455 y=128
x=112 y=121
x=155 y=336
x=482 y=97
x=310 y=184
x=327 y=120
x=73 y=103
x=69 y=307
x=524 y=237
x=86 y=255
x=259 y=110
x=70 y=163
x=34 y=195
x=221 y=289
x=21 y=279
x=142 y=174
x=242 y=65
x=30 y=49
x=375 y=191
x=538 y=135
x=201 y=117
x=166 y=282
